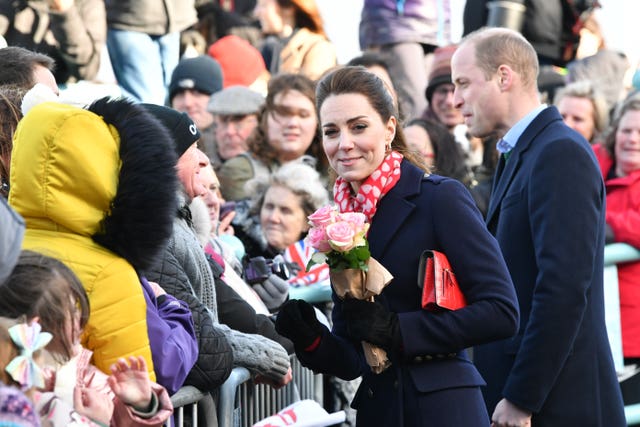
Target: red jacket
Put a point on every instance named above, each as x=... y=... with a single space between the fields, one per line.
x=623 y=215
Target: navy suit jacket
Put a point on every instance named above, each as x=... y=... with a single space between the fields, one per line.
x=422 y=213
x=547 y=212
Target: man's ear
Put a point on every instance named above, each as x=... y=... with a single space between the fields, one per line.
x=505 y=77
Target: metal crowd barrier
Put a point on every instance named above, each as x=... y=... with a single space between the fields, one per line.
x=185 y=400
x=615 y=254
x=243 y=403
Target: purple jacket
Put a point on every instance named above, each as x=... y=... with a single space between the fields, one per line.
x=172 y=337
x=411 y=21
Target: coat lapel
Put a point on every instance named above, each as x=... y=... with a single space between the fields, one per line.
x=502 y=179
x=506 y=170
x=394 y=208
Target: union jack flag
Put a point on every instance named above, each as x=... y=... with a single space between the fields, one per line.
x=300 y=253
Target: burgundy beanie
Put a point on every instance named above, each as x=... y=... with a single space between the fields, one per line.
x=440 y=69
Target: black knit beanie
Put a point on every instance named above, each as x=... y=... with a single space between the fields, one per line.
x=201 y=73
x=183 y=130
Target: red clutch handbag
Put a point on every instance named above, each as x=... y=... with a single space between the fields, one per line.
x=440 y=288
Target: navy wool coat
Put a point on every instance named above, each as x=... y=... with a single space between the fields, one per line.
x=547 y=212
x=431 y=381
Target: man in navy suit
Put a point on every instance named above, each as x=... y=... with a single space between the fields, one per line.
x=547 y=213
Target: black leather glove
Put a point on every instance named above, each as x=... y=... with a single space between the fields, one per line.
x=297 y=321
x=371 y=322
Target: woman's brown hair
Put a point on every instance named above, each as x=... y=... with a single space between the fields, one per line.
x=42 y=286
x=358 y=80
x=632 y=103
x=258 y=140
x=10 y=115
x=307 y=14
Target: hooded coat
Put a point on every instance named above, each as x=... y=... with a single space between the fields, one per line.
x=623 y=205
x=96 y=188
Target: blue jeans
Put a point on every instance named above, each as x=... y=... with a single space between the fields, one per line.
x=143 y=63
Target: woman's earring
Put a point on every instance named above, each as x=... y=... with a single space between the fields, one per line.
x=387 y=148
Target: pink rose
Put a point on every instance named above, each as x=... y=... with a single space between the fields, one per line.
x=341 y=236
x=317 y=238
x=357 y=221
x=323 y=216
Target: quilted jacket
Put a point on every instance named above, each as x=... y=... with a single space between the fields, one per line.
x=215 y=359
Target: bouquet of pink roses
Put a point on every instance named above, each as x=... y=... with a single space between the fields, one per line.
x=340 y=241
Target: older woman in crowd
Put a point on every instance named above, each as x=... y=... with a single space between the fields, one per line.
x=619 y=159
x=583 y=108
x=292 y=193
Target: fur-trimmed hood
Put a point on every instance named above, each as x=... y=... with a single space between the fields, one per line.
x=106 y=172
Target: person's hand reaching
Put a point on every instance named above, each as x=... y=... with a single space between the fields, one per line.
x=224 y=224
x=273 y=292
x=93 y=404
x=261 y=379
x=130 y=382
x=157 y=289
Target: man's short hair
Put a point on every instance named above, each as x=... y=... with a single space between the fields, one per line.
x=17 y=65
x=497 y=46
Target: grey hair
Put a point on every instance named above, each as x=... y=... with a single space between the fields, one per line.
x=298 y=177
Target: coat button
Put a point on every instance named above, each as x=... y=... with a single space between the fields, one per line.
x=370 y=393
x=428 y=357
x=395 y=384
x=417 y=359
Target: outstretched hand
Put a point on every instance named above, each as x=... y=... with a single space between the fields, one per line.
x=93 y=404
x=261 y=379
x=130 y=382
x=273 y=291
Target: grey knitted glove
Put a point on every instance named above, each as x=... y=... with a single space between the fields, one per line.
x=273 y=292
x=259 y=354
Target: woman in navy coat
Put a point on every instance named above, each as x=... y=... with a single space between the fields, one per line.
x=431 y=381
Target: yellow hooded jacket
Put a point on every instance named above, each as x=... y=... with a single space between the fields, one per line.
x=64 y=177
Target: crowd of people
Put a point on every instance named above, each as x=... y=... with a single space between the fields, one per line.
x=151 y=240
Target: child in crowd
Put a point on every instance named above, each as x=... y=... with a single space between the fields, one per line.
x=21 y=404
x=43 y=288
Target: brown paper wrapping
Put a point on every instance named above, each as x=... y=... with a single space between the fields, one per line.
x=364 y=285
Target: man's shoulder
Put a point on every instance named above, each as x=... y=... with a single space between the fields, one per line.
x=549 y=128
